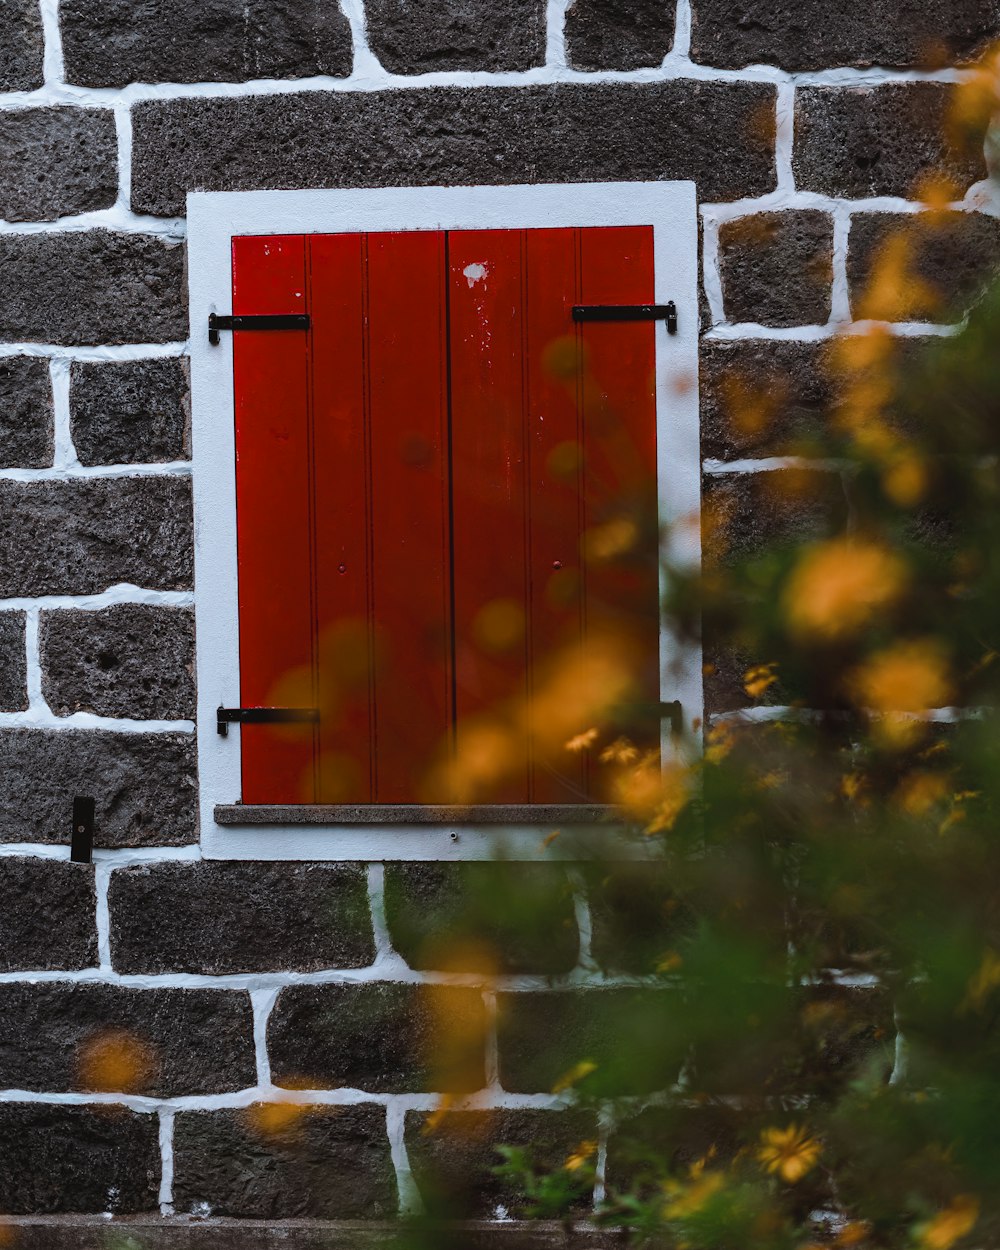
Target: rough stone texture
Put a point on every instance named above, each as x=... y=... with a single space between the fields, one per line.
x=777 y=268
x=720 y=134
x=93 y=286
x=23 y=46
x=80 y=537
x=744 y=512
x=952 y=257
x=131 y=660
x=159 y=1042
x=762 y=397
x=482 y=917
x=618 y=34
x=144 y=785
x=635 y=919
x=13 y=663
x=384 y=1038
x=325 y=1163
x=805 y=34
x=77 y=1159
x=47 y=915
x=420 y=36
x=239 y=917
x=883 y=140
x=676 y=1137
x=109 y=43
x=725 y=670
x=57 y=161
x=453 y=1166
x=543 y=1036
x=135 y=412
x=25 y=413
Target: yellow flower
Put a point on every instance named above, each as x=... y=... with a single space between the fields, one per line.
x=575 y=1074
x=950 y=1225
x=919 y=792
x=586 y=1150
x=621 y=751
x=905 y=679
x=757 y=679
x=839 y=586
x=982 y=983
x=788 y=1151
x=580 y=742
x=685 y=1200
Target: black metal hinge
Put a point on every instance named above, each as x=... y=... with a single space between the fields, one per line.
x=81 y=843
x=673 y=712
x=264 y=716
x=628 y=312
x=255 y=321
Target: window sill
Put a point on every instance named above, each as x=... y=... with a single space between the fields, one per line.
x=415 y=814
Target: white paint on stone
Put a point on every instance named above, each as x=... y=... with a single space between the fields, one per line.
x=166 y=1195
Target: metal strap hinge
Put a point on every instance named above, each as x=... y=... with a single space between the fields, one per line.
x=227 y=716
x=255 y=321
x=628 y=312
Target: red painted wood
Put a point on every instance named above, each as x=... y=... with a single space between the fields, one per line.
x=273 y=468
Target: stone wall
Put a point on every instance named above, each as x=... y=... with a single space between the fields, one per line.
x=807 y=127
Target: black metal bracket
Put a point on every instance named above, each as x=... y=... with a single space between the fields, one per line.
x=81 y=846
x=264 y=716
x=255 y=321
x=628 y=312
x=674 y=712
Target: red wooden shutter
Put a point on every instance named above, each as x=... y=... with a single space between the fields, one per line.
x=428 y=486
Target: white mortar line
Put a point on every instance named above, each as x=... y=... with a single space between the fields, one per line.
x=605 y=1123
x=711 y=272
x=123 y=132
x=410 y=1202
x=64 y=457
x=117 y=857
x=43 y=718
x=102 y=880
x=366 y=65
x=555 y=35
x=112 y=352
x=584 y=921
x=166 y=1197
x=78 y=472
x=784 y=138
x=53 y=67
x=387 y=961
x=749 y=330
x=840 y=297
x=263 y=1003
x=123 y=592
x=33 y=670
x=769 y=464
x=680 y=53
x=118 y=218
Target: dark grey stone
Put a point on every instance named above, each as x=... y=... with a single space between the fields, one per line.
x=719 y=134
x=454 y=1163
x=636 y=920
x=13 y=663
x=725 y=671
x=481 y=917
x=325 y=1163
x=412 y=814
x=92 y=286
x=632 y=1036
x=110 y=43
x=861 y=141
x=777 y=268
x=80 y=537
x=384 y=1037
x=218 y=918
x=762 y=397
x=25 y=413
x=677 y=1136
x=133 y=412
x=47 y=915
x=56 y=161
x=745 y=512
x=131 y=660
x=419 y=36
x=806 y=34
x=158 y=1042
x=23 y=45
x=77 y=1159
x=618 y=34
x=952 y=257
x=144 y=785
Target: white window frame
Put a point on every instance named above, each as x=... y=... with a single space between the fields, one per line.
x=214 y=219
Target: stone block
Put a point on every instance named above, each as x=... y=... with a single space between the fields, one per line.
x=280 y=1161
x=763 y=397
x=453 y=1162
x=132 y=660
x=618 y=34
x=91 y=286
x=808 y=35
x=55 y=1159
x=777 y=268
x=421 y=36
x=719 y=134
x=384 y=1037
x=133 y=412
x=144 y=785
x=158 y=1042
x=673 y=1139
x=25 y=413
x=633 y=1038
x=636 y=920
x=725 y=669
x=57 y=161
x=746 y=512
x=218 y=918
x=878 y=140
x=949 y=259
x=482 y=917
x=80 y=537
x=47 y=915
x=23 y=45
x=110 y=43
x=13 y=663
